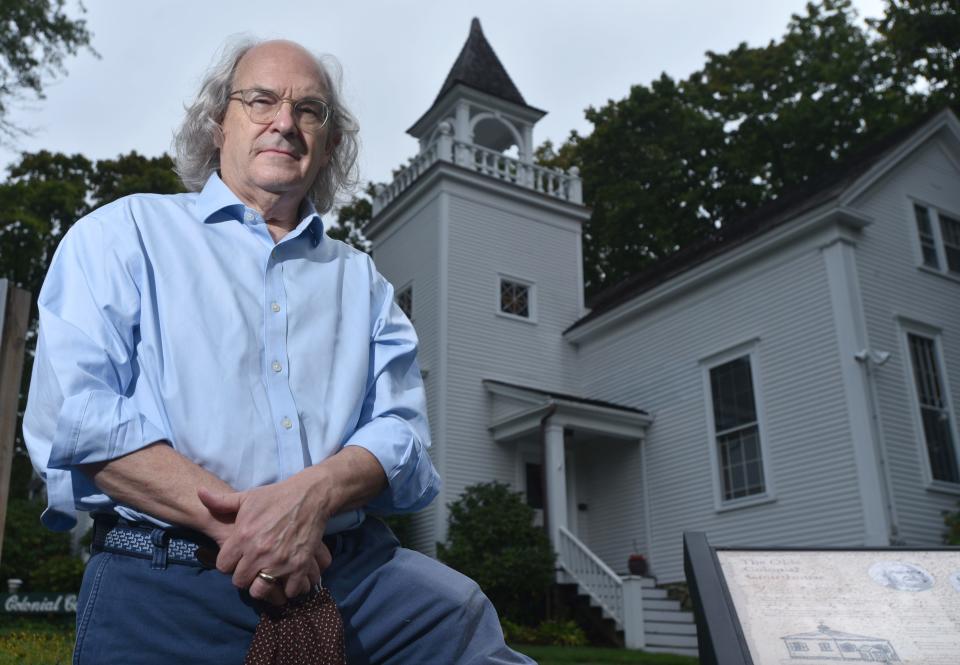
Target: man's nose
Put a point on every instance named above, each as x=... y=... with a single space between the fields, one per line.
x=285 y=120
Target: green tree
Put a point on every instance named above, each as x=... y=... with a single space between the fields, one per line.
x=492 y=539
x=37 y=36
x=352 y=217
x=674 y=162
x=923 y=36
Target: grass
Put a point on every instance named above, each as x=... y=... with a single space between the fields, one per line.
x=36 y=641
x=599 y=656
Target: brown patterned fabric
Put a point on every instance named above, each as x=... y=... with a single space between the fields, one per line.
x=300 y=633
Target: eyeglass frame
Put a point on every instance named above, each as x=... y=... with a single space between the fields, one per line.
x=280 y=100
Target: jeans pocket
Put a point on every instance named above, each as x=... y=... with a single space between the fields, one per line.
x=92 y=576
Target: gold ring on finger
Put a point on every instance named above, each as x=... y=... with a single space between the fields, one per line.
x=267 y=577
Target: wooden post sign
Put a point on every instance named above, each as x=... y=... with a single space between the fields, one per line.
x=14 y=318
x=809 y=606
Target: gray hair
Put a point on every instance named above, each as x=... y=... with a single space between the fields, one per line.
x=197 y=154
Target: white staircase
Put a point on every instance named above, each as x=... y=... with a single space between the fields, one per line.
x=648 y=619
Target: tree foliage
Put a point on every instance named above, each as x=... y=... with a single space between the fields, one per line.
x=492 y=539
x=37 y=36
x=674 y=161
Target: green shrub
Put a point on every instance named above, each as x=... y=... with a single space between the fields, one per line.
x=492 y=539
x=27 y=544
x=561 y=634
x=62 y=573
x=548 y=633
x=952 y=520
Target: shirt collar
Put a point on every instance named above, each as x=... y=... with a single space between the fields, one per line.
x=216 y=203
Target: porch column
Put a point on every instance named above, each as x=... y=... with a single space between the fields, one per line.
x=555 y=476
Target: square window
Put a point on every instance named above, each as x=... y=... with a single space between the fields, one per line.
x=514 y=298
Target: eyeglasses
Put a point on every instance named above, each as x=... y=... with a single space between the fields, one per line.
x=263 y=106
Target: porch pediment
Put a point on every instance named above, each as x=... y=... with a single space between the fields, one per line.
x=519 y=410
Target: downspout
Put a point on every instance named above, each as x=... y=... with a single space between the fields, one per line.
x=869 y=359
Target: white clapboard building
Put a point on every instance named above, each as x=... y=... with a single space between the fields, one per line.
x=789 y=384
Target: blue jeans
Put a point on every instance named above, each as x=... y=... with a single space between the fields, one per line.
x=398 y=606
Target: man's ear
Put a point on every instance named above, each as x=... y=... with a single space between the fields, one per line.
x=218 y=137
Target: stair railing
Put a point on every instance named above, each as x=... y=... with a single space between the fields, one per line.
x=593 y=575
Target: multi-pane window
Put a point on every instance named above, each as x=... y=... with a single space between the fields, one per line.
x=405 y=301
x=939 y=235
x=736 y=429
x=928 y=243
x=514 y=298
x=934 y=409
x=950 y=230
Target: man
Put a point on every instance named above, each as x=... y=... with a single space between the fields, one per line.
x=212 y=369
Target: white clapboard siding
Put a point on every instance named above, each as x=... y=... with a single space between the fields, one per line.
x=409 y=254
x=653 y=362
x=489 y=237
x=895 y=288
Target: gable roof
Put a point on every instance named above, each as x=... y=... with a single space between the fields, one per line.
x=566 y=397
x=827 y=188
x=478 y=67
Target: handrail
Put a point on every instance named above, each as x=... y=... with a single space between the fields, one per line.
x=592 y=574
x=549 y=181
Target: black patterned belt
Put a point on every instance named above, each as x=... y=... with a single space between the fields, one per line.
x=160 y=546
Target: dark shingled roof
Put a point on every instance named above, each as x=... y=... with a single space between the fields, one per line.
x=790 y=204
x=478 y=67
x=569 y=398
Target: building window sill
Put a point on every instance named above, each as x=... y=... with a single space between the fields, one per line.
x=943 y=487
x=745 y=502
x=949 y=276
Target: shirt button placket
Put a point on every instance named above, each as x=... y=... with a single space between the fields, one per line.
x=277 y=381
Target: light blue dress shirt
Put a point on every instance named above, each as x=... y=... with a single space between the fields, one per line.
x=177 y=318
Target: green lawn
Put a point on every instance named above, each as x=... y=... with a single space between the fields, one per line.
x=36 y=641
x=42 y=642
x=599 y=656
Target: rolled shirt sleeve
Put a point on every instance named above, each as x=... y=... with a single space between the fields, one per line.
x=82 y=405
x=393 y=422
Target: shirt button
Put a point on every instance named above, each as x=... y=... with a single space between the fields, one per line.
x=287 y=423
x=248 y=216
x=275 y=306
x=276 y=366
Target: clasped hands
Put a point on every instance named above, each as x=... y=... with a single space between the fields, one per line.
x=277 y=529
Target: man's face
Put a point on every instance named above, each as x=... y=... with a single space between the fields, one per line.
x=277 y=158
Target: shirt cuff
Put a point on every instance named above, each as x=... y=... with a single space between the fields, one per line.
x=97 y=426
x=413 y=481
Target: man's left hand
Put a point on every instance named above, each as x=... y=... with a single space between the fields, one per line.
x=278 y=530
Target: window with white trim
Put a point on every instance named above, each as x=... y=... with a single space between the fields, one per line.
x=934 y=407
x=939 y=235
x=736 y=429
x=405 y=300
x=515 y=298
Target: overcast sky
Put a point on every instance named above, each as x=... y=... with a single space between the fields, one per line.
x=395 y=55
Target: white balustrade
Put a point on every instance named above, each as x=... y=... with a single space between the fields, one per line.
x=552 y=182
x=593 y=575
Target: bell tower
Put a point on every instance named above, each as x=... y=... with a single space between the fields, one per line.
x=483 y=247
x=481 y=104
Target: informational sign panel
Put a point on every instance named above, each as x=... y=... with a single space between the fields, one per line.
x=807 y=606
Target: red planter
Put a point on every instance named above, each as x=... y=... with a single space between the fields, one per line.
x=637 y=565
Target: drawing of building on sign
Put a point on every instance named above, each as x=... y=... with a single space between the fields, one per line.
x=827 y=644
